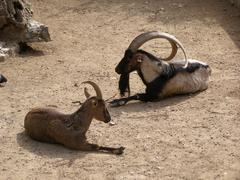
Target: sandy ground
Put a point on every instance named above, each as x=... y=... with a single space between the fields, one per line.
x=185 y=137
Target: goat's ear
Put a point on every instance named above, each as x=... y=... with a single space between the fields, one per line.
x=94 y=102
x=86 y=93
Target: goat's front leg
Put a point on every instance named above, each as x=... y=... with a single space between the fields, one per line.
x=95 y=147
x=122 y=101
x=76 y=139
x=117 y=151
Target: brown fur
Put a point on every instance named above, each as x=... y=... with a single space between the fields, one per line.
x=52 y=126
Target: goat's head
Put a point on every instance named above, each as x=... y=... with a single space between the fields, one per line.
x=133 y=57
x=97 y=104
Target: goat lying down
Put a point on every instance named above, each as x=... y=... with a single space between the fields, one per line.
x=49 y=125
x=162 y=79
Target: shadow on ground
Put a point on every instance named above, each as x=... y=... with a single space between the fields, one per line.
x=52 y=151
x=138 y=106
x=28 y=51
x=47 y=150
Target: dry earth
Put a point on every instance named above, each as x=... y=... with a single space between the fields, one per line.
x=185 y=137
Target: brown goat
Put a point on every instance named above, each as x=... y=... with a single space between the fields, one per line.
x=52 y=126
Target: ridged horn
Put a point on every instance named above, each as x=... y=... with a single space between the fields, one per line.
x=86 y=93
x=144 y=37
x=95 y=87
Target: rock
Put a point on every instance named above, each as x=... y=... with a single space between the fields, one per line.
x=36 y=32
x=17 y=26
x=8 y=49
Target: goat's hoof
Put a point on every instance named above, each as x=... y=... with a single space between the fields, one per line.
x=112 y=123
x=119 y=151
x=117 y=102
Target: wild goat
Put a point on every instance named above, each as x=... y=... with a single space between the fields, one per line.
x=2 y=79
x=49 y=125
x=162 y=79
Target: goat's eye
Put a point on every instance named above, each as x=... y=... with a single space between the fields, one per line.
x=94 y=103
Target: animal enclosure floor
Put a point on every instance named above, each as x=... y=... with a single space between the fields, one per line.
x=186 y=137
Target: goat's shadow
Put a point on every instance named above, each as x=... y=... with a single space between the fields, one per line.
x=52 y=151
x=138 y=106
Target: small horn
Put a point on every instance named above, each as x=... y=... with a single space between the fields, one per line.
x=86 y=93
x=95 y=87
x=144 y=37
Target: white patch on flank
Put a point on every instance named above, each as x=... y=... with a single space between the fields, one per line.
x=150 y=70
x=185 y=82
x=182 y=83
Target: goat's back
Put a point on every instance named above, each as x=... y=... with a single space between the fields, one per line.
x=37 y=120
x=189 y=81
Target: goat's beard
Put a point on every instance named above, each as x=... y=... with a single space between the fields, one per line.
x=124 y=84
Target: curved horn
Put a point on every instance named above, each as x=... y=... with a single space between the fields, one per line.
x=86 y=93
x=144 y=37
x=96 y=88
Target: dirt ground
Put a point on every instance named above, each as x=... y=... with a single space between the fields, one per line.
x=186 y=137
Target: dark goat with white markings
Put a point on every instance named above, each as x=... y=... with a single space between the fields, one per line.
x=162 y=79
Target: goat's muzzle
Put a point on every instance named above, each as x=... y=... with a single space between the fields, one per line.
x=122 y=66
x=107 y=117
x=118 y=70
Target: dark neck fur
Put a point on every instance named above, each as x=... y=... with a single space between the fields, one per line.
x=82 y=118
